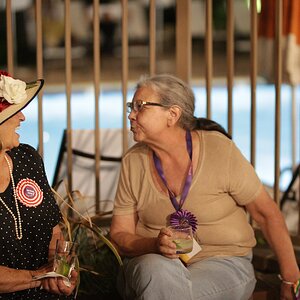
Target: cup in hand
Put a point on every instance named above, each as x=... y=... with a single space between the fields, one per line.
x=65 y=257
x=182 y=236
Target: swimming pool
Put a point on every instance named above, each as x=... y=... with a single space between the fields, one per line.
x=54 y=114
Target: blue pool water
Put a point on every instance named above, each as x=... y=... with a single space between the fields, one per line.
x=54 y=105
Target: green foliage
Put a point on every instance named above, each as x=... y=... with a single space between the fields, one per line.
x=98 y=265
x=99 y=261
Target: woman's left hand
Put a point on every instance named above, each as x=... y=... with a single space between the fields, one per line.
x=57 y=285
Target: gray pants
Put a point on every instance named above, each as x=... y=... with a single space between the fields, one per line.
x=155 y=277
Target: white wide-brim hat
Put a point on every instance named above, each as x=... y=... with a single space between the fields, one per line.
x=32 y=89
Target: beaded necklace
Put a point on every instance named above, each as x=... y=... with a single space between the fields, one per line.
x=17 y=220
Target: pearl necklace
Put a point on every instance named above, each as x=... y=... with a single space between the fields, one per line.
x=17 y=220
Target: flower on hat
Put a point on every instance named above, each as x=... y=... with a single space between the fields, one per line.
x=12 y=90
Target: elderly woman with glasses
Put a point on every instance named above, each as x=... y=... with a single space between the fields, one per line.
x=187 y=171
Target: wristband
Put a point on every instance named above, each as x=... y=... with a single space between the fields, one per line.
x=295 y=285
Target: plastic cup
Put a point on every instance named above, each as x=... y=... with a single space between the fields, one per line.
x=182 y=237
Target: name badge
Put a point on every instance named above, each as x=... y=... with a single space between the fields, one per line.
x=187 y=256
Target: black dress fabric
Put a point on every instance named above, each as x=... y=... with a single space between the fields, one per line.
x=31 y=252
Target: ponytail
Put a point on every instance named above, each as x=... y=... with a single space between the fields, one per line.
x=209 y=125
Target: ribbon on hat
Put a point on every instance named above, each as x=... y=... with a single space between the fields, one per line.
x=3 y=105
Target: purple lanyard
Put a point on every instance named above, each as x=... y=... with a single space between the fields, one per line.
x=188 y=179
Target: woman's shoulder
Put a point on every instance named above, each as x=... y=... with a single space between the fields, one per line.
x=215 y=144
x=213 y=136
x=25 y=150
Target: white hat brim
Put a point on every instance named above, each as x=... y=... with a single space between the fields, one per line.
x=32 y=89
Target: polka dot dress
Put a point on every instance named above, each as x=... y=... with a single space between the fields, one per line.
x=31 y=252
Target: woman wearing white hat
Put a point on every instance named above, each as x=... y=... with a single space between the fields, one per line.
x=29 y=215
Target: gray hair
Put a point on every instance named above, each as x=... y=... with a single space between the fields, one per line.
x=173 y=91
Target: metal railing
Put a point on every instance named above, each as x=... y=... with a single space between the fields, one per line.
x=183 y=67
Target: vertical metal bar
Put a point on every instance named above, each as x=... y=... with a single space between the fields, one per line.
x=298 y=232
x=278 y=81
x=183 y=40
x=152 y=35
x=124 y=69
x=96 y=41
x=294 y=126
x=230 y=61
x=39 y=63
x=68 y=71
x=253 y=75
x=295 y=130
x=208 y=56
x=9 y=39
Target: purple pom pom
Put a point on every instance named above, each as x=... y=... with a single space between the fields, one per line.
x=182 y=217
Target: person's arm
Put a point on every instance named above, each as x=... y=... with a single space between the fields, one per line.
x=56 y=235
x=128 y=243
x=267 y=215
x=12 y=280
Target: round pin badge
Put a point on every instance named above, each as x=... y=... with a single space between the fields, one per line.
x=29 y=192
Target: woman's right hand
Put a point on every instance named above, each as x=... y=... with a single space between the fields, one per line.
x=286 y=292
x=58 y=286
x=165 y=245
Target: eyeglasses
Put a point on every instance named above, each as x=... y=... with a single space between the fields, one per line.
x=138 y=105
